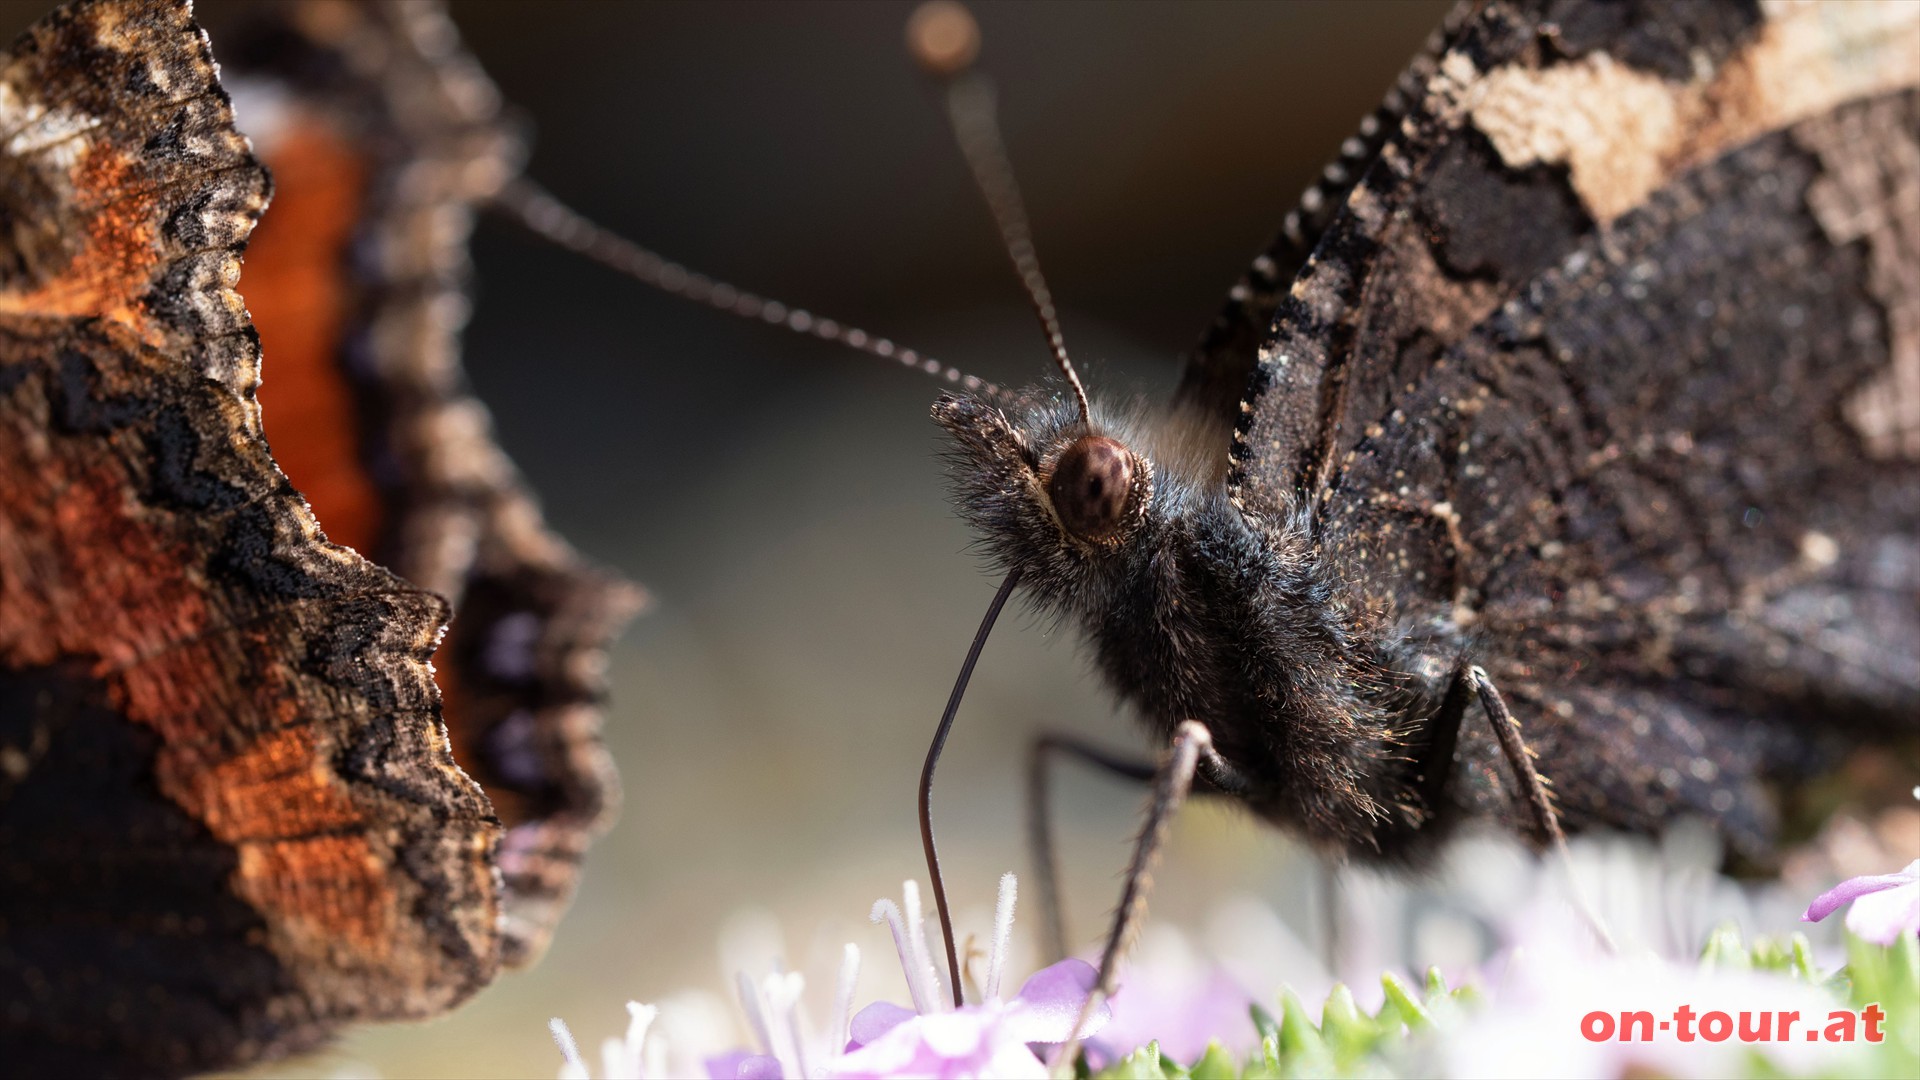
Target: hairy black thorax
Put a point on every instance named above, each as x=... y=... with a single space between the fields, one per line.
x=1203 y=611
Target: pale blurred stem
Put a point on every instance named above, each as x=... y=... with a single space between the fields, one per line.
x=1332 y=942
x=1046 y=862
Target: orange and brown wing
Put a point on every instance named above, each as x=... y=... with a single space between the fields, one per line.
x=384 y=136
x=229 y=817
x=127 y=192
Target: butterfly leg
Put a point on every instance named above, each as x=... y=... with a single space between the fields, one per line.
x=1333 y=935
x=1041 y=754
x=1507 y=730
x=1190 y=755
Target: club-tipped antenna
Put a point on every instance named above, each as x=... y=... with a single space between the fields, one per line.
x=926 y=779
x=538 y=211
x=945 y=39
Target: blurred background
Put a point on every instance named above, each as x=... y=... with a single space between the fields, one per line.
x=813 y=594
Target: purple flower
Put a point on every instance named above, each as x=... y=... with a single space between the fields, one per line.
x=743 y=1065
x=621 y=1057
x=1885 y=906
x=793 y=1049
x=989 y=1037
x=1178 y=997
x=1557 y=976
x=986 y=1039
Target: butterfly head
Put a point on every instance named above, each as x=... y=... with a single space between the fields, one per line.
x=1045 y=489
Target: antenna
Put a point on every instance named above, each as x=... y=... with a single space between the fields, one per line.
x=945 y=39
x=538 y=211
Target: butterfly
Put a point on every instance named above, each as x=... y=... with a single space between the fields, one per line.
x=231 y=815
x=1585 y=385
x=1579 y=394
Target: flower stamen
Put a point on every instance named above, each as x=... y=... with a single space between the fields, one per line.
x=576 y=1066
x=843 y=1000
x=751 y=1004
x=1002 y=934
x=917 y=941
x=781 y=1001
x=622 y=1057
x=885 y=910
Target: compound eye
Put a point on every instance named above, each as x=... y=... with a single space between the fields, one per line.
x=1091 y=486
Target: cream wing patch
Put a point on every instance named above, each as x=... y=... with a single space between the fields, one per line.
x=1869 y=191
x=1622 y=132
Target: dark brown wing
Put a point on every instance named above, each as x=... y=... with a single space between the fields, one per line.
x=383 y=135
x=1537 y=130
x=1671 y=493
x=229 y=822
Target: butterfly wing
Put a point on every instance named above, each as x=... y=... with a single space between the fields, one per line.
x=384 y=135
x=1540 y=125
x=229 y=821
x=1650 y=459
x=1678 y=463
